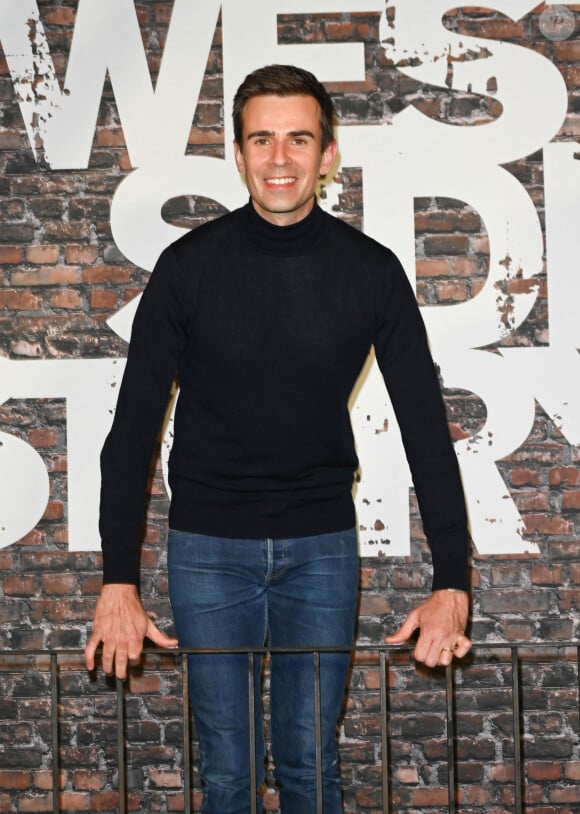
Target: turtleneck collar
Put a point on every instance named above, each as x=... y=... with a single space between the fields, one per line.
x=296 y=239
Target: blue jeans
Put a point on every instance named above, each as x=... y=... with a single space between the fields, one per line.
x=234 y=593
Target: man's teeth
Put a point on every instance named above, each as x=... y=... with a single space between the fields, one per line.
x=280 y=181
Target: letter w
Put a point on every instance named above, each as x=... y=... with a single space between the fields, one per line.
x=107 y=37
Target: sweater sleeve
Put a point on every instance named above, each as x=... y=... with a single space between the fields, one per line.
x=158 y=336
x=409 y=373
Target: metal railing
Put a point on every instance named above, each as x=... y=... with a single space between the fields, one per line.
x=514 y=649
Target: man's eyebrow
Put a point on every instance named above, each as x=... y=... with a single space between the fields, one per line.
x=269 y=133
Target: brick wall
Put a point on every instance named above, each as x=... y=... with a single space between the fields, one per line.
x=61 y=277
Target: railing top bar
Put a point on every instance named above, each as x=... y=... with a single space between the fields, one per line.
x=359 y=648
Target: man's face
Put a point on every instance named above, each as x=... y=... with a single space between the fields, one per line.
x=281 y=155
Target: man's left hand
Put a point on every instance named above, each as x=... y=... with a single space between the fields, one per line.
x=442 y=620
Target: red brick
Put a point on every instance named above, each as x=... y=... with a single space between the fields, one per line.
x=11 y=779
x=107 y=274
x=445 y=221
x=474 y=795
x=58 y=583
x=466 y=267
x=547 y=524
x=67 y=298
x=432 y=267
x=74 y=801
x=545 y=574
x=565 y=475
x=567 y=50
x=169 y=779
x=140 y=683
x=544 y=770
x=431 y=796
x=481 y=244
x=571 y=500
x=60 y=15
x=524 y=477
x=37 y=802
x=104 y=298
x=110 y=137
x=54 y=510
x=89 y=779
x=11 y=255
x=404 y=578
x=42 y=254
x=446 y=244
x=573 y=770
x=80 y=254
x=104 y=801
x=531 y=501
x=19 y=300
x=575 y=572
x=41 y=438
x=518 y=631
x=508 y=574
x=571 y=794
x=47 y=275
x=407 y=774
x=374 y=605
x=449 y=291
x=494 y=29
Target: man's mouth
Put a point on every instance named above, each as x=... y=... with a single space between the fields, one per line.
x=280 y=182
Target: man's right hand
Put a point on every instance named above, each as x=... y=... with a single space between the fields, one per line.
x=121 y=624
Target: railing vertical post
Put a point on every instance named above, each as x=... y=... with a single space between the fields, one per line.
x=450 y=739
x=122 y=777
x=252 y=728
x=54 y=730
x=517 y=733
x=578 y=674
x=384 y=731
x=186 y=736
x=318 y=732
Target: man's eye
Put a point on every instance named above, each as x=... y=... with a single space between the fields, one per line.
x=261 y=142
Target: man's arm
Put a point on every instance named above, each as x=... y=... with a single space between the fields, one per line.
x=121 y=624
x=410 y=376
x=158 y=336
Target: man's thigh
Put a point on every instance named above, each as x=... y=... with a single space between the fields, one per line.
x=312 y=597
x=216 y=587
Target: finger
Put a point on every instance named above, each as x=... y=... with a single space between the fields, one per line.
x=159 y=638
x=111 y=658
x=445 y=657
x=90 y=651
x=458 y=650
x=405 y=631
x=121 y=660
x=462 y=646
x=134 y=649
x=427 y=650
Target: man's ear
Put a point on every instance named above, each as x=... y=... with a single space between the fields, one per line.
x=239 y=156
x=328 y=156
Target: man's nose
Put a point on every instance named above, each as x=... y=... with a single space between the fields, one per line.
x=280 y=152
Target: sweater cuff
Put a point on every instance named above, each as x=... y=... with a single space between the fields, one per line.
x=450 y=572
x=120 y=567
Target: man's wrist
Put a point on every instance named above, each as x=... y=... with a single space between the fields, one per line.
x=453 y=590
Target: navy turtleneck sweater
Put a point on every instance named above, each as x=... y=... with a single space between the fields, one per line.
x=267 y=329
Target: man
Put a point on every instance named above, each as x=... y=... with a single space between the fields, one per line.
x=266 y=315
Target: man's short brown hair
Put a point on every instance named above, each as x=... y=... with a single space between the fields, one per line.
x=284 y=80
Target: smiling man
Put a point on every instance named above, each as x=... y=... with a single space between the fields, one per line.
x=266 y=316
